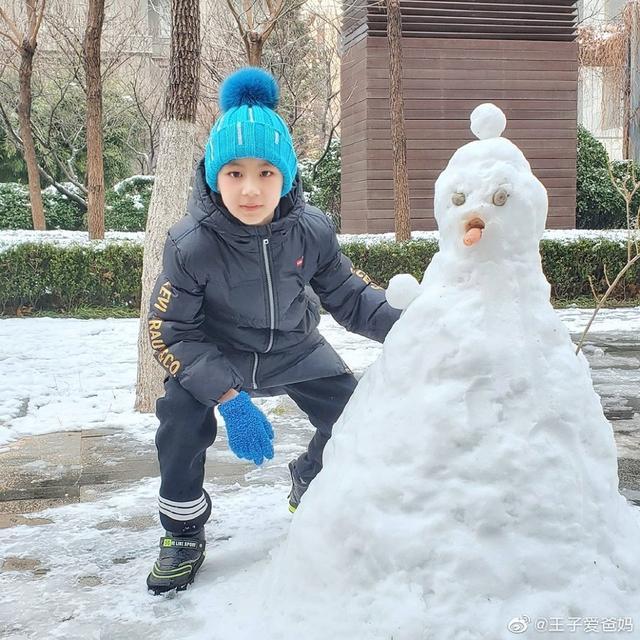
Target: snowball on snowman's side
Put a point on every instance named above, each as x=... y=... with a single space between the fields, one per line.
x=488 y=203
x=402 y=290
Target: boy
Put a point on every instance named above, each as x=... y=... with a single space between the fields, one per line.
x=230 y=318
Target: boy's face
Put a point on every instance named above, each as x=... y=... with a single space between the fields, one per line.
x=250 y=189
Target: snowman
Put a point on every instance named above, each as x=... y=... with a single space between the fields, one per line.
x=470 y=490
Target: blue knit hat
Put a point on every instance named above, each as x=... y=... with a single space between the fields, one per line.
x=249 y=127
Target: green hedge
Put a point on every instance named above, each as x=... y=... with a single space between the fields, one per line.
x=43 y=276
x=323 y=189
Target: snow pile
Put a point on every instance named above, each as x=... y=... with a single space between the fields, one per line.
x=472 y=479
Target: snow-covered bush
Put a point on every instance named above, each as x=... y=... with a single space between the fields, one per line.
x=62 y=213
x=128 y=204
x=15 y=210
x=44 y=276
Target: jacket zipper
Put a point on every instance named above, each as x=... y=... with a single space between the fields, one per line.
x=272 y=310
x=255 y=370
x=272 y=306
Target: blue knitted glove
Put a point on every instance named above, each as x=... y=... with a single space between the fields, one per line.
x=248 y=430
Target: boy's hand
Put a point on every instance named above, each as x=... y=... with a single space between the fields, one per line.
x=232 y=393
x=248 y=430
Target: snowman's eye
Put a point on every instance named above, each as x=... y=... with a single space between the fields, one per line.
x=458 y=198
x=500 y=197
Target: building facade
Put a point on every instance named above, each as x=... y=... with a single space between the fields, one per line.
x=456 y=55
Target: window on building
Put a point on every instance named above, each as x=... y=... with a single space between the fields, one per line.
x=160 y=18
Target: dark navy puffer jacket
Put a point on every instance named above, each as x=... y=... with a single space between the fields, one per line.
x=230 y=308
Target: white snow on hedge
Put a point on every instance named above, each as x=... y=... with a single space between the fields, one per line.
x=69 y=186
x=63 y=238
x=10 y=238
x=139 y=178
x=560 y=235
x=136 y=198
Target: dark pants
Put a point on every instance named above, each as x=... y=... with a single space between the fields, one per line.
x=187 y=428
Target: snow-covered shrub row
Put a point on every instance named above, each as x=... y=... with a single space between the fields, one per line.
x=61 y=238
x=126 y=206
x=43 y=276
x=107 y=273
x=15 y=210
x=10 y=238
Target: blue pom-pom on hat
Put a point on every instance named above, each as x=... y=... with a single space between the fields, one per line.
x=250 y=86
x=250 y=128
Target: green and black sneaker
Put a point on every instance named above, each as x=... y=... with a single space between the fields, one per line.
x=298 y=487
x=179 y=560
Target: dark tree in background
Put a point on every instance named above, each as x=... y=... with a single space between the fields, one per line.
x=95 y=167
x=402 y=206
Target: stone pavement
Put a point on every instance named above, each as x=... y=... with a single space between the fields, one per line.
x=37 y=472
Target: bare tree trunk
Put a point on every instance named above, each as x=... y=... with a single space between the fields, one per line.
x=95 y=166
x=254 y=47
x=172 y=178
x=28 y=147
x=255 y=33
x=626 y=104
x=402 y=213
x=25 y=43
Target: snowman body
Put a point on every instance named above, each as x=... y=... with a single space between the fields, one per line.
x=472 y=478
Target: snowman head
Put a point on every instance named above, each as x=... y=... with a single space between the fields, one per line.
x=488 y=204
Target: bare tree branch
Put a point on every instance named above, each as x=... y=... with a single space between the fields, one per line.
x=16 y=36
x=38 y=22
x=17 y=142
x=612 y=286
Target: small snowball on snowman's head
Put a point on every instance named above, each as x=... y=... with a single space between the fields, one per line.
x=488 y=121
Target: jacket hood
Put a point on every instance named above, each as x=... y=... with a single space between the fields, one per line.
x=207 y=208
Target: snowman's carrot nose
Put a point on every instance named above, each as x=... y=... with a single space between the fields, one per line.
x=473 y=231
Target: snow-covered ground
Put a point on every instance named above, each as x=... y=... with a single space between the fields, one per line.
x=82 y=575
x=10 y=238
x=66 y=374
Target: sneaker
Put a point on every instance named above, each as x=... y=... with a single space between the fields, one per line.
x=298 y=487
x=179 y=560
